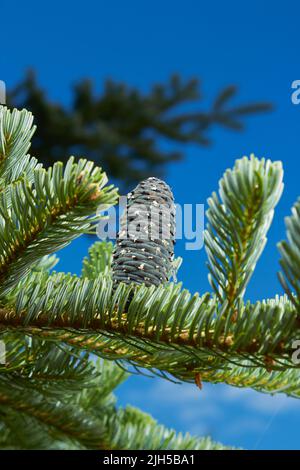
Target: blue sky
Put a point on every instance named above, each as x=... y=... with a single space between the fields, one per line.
x=254 y=45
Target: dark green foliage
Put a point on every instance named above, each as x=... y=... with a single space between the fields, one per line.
x=122 y=128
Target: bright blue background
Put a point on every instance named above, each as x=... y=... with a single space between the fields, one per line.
x=252 y=44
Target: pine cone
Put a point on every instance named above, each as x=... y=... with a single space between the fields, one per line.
x=144 y=249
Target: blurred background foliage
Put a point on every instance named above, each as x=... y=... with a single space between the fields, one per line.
x=131 y=134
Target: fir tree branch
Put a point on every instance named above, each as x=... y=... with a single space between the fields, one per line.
x=99 y=260
x=290 y=261
x=160 y=324
x=90 y=420
x=47 y=321
x=121 y=129
x=136 y=430
x=16 y=131
x=238 y=224
x=47 y=367
x=47 y=215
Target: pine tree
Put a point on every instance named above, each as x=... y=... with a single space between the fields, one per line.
x=53 y=393
x=122 y=128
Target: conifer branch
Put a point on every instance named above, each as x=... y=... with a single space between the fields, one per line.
x=238 y=222
x=290 y=261
x=47 y=215
x=16 y=131
x=149 y=335
x=50 y=322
